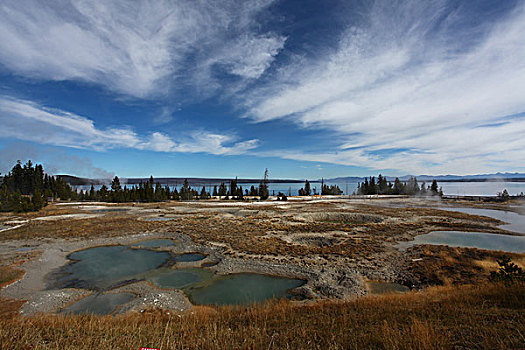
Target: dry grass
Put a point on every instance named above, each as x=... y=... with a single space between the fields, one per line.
x=441 y=265
x=107 y=226
x=490 y=264
x=9 y=274
x=485 y=316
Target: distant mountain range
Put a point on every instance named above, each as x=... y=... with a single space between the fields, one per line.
x=508 y=177
x=196 y=181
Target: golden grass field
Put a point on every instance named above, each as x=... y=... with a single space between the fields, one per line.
x=485 y=316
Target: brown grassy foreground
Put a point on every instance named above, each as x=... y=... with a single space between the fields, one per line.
x=489 y=316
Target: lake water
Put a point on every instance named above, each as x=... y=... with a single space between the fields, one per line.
x=449 y=188
x=481 y=188
x=480 y=240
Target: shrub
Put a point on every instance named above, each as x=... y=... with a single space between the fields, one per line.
x=508 y=272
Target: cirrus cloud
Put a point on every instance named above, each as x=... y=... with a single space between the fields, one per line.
x=415 y=88
x=28 y=121
x=137 y=48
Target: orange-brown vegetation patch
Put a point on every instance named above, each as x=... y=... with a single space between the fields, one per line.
x=489 y=316
x=441 y=265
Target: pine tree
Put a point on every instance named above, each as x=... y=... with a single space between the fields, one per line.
x=222 y=190
x=434 y=187
x=92 y=193
x=203 y=194
x=307 y=189
x=37 y=200
x=115 y=184
x=233 y=187
x=398 y=187
x=240 y=195
x=185 y=191
x=264 y=192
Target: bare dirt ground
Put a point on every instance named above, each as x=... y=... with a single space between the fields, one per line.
x=336 y=244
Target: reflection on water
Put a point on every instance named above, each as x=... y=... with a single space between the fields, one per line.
x=179 y=278
x=243 y=289
x=159 y=218
x=515 y=222
x=480 y=240
x=102 y=267
x=99 y=304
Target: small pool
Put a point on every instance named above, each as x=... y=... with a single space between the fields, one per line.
x=160 y=218
x=180 y=278
x=105 y=268
x=243 y=289
x=480 y=240
x=99 y=304
x=514 y=221
x=110 y=210
x=26 y=249
x=102 y=267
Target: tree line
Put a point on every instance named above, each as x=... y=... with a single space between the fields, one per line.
x=410 y=187
x=28 y=188
x=236 y=192
x=325 y=189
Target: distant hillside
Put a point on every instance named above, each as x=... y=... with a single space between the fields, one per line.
x=472 y=178
x=503 y=177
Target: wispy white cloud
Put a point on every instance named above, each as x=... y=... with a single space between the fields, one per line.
x=410 y=93
x=249 y=56
x=199 y=142
x=28 y=121
x=165 y=116
x=139 y=48
x=54 y=159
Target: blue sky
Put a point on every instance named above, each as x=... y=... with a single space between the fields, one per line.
x=308 y=89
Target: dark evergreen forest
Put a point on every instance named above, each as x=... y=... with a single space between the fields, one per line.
x=410 y=187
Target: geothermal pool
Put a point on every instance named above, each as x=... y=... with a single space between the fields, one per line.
x=104 y=268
